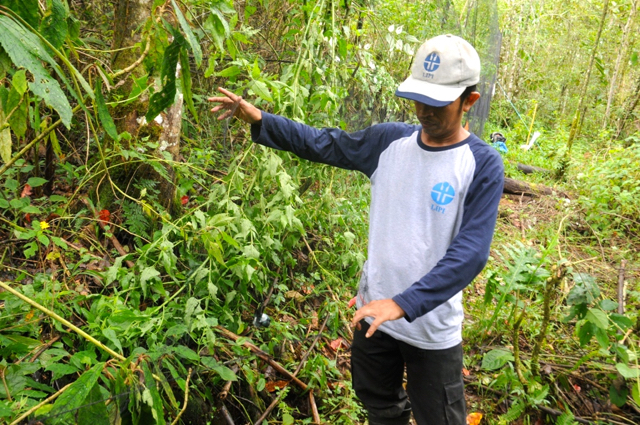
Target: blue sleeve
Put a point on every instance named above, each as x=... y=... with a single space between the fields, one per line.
x=353 y=151
x=469 y=251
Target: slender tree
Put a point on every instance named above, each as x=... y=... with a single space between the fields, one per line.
x=580 y=111
x=622 y=56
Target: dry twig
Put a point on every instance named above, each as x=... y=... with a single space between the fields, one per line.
x=186 y=399
x=264 y=356
x=304 y=358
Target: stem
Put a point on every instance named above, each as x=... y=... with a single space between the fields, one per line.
x=4 y=381
x=517 y=364
x=39 y=405
x=186 y=399
x=553 y=282
x=65 y=322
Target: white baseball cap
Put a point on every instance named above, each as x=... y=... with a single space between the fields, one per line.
x=443 y=67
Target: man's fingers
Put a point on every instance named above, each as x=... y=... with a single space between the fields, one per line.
x=374 y=327
x=358 y=317
x=229 y=94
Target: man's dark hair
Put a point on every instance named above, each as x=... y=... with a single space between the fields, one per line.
x=467 y=92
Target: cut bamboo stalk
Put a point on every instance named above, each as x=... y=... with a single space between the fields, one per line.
x=62 y=320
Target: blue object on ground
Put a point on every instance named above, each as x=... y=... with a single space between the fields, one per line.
x=500 y=146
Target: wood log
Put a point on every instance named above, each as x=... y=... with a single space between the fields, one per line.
x=528 y=169
x=517 y=187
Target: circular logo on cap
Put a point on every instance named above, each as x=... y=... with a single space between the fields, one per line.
x=443 y=193
x=432 y=62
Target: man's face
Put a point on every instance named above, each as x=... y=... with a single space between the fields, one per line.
x=440 y=122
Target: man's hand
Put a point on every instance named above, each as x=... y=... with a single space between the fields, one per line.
x=235 y=106
x=381 y=311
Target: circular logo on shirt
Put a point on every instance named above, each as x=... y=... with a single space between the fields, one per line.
x=432 y=62
x=443 y=193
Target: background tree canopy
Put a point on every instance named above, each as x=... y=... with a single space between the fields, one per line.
x=156 y=267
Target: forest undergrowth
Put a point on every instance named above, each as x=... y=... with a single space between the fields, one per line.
x=157 y=267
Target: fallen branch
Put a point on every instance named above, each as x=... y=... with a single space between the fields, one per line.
x=529 y=169
x=314 y=408
x=227 y=415
x=304 y=359
x=517 y=187
x=227 y=386
x=264 y=356
x=44 y=348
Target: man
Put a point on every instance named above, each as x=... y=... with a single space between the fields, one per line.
x=435 y=190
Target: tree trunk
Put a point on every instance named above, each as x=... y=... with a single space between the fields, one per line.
x=517 y=187
x=129 y=15
x=580 y=111
x=165 y=129
x=581 y=106
x=633 y=102
x=622 y=54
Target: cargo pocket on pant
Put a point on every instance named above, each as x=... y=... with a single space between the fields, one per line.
x=455 y=408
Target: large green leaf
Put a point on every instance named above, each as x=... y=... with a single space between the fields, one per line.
x=598 y=318
x=163 y=99
x=186 y=83
x=19 y=81
x=5 y=134
x=26 y=9
x=618 y=395
x=103 y=113
x=94 y=411
x=26 y=51
x=16 y=103
x=54 y=24
x=628 y=372
x=191 y=38
x=261 y=89
x=495 y=359
x=151 y=395
x=75 y=396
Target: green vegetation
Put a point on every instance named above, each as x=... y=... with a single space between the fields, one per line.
x=139 y=236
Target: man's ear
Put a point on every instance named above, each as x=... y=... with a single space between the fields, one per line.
x=469 y=101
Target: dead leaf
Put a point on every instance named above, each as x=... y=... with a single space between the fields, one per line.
x=336 y=344
x=26 y=191
x=271 y=386
x=297 y=296
x=474 y=418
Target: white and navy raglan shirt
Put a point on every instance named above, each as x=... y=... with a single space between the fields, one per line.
x=432 y=217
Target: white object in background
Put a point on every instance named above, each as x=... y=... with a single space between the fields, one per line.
x=531 y=142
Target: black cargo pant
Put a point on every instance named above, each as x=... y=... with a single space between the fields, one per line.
x=434 y=381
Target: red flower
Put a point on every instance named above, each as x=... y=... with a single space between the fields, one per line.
x=104 y=216
x=184 y=200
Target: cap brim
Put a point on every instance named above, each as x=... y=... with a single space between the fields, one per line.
x=427 y=93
